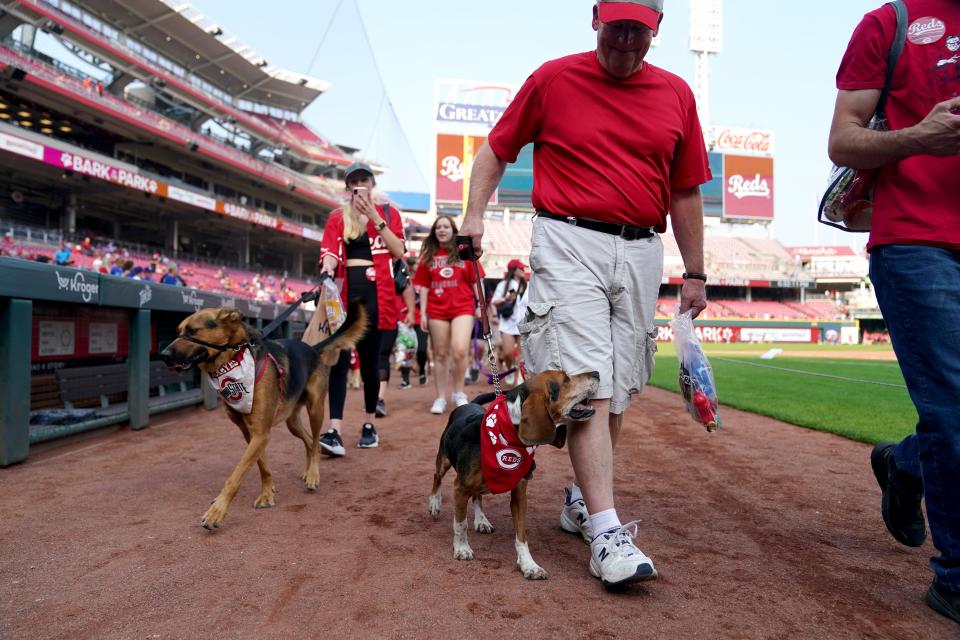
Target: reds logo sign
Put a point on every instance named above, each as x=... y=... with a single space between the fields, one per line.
x=232 y=389
x=446 y=272
x=926 y=30
x=509 y=459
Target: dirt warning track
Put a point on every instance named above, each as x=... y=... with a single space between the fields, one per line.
x=762 y=530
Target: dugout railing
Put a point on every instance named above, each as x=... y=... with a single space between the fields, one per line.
x=26 y=285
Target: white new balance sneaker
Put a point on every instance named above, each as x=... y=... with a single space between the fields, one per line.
x=617 y=561
x=459 y=399
x=439 y=406
x=574 y=517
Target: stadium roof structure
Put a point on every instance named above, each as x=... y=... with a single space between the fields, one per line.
x=197 y=43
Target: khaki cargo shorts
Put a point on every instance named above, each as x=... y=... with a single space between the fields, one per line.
x=592 y=300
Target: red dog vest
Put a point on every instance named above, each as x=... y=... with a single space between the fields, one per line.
x=504 y=460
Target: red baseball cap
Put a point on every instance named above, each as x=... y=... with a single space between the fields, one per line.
x=515 y=264
x=646 y=12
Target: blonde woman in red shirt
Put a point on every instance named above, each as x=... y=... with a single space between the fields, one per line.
x=447 y=308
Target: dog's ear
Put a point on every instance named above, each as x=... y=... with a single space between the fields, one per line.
x=536 y=426
x=226 y=315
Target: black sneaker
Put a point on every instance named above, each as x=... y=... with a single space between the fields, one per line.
x=381 y=408
x=368 y=437
x=901 y=509
x=331 y=444
x=404 y=384
x=944 y=601
x=423 y=378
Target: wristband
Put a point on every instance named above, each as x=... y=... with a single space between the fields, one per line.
x=694 y=275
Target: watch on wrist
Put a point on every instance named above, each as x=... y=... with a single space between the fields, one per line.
x=694 y=275
x=381 y=225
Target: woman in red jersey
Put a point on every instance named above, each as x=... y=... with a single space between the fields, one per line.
x=359 y=242
x=447 y=309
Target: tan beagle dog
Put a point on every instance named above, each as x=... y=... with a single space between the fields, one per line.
x=542 y=406
x=262 y=382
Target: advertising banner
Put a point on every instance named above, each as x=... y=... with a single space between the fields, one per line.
x=469 y=107
x=453 y=159
x=748 y=187
x=739 y=141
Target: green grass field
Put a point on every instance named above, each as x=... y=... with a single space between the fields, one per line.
x=865 y=401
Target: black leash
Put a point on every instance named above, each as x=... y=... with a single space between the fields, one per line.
x=306 y=296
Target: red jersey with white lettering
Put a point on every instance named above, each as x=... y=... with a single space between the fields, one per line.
x=504 y=460
x=917 y=200
x=606 y=148
x=451 y=286
x=332 y=244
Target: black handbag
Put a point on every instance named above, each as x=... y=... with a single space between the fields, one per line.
x=401 y=274
x=506 y=309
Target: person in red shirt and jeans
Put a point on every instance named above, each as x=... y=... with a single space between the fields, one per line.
x=447 y=310
x=618 y=147
x=914 y=259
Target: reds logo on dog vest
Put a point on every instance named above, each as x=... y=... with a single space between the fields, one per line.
x=504 y=460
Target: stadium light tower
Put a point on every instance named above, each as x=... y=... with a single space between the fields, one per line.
x=705 y=32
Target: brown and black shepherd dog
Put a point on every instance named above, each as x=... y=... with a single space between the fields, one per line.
x=295 y=376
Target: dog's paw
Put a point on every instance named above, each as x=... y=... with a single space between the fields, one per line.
x=214 y=516
x=434 y=506
x=263 y=502
x=482 y=525
x=532 y=572
x=463 y=552
x=311 y=481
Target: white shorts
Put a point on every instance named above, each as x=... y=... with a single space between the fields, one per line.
x=592 y=300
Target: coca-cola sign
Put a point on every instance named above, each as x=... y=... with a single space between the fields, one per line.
x=748 y=187
x=736 y=140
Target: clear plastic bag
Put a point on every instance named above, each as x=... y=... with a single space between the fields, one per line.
x=329 y=314
x=696 y=375
x=406 y=345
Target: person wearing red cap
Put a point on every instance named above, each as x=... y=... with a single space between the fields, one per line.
x=617 y=148
x=510 y=301
x=914 y=251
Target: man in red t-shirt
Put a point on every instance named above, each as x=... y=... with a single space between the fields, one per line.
x=618 y=146
x=914 y=259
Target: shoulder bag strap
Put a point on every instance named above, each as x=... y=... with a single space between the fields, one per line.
x=896 y=48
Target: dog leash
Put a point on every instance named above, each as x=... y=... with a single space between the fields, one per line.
x=466 y=252
x=306 y=296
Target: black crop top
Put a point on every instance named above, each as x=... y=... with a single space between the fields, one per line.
x=359 y=248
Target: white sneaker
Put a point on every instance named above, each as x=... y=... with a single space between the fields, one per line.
x=459 y=399
x=617 y=561
x=574 y=517
x=439 y=406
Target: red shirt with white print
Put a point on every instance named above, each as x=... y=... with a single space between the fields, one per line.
x=452 y=286
x=605 y=148
x=332 y=244
x=917 y=200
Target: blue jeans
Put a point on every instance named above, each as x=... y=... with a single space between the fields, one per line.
x=918 y=288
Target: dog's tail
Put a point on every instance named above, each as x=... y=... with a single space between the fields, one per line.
x=350 y=332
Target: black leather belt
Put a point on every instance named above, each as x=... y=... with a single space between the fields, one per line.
x=625 y=231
